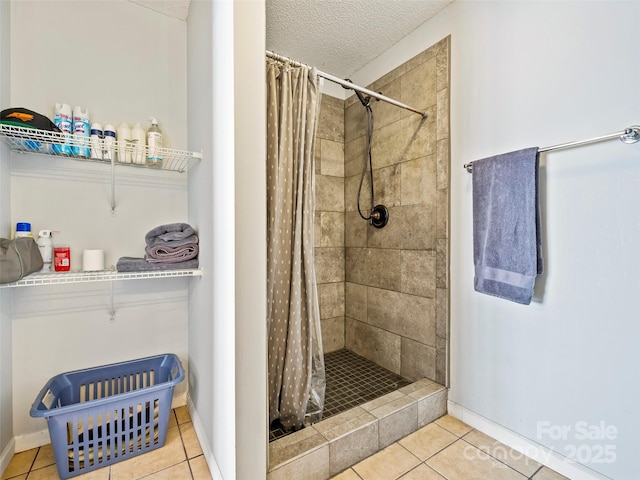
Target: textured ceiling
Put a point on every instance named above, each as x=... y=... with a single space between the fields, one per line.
x=337 y=36
x=342 y=36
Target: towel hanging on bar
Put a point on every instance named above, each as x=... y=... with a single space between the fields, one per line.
x=629 y=135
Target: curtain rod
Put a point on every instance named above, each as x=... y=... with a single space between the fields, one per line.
x=347 y=84
x=629 y=135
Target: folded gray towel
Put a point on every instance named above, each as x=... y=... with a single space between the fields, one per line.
x=133 y=264
x=506 y=225
x=171 y=254
x=174 y=233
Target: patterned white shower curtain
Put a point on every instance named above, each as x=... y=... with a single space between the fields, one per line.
x=296 y=362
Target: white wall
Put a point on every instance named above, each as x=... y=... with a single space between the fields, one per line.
x=227 y=330
x=6 y=406
x=124 y=62
x=538 y=74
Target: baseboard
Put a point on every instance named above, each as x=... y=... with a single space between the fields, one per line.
x=32 y=440
x=7 y=455
x=202 y=438
x=539 y=453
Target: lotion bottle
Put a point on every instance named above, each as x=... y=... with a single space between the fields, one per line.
x=45 y=245
x=124 y=143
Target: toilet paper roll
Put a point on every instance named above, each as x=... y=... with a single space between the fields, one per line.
x=92 y=260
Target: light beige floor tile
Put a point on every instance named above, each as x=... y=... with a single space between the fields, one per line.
x=546 y=473
x=177 y=472
x=347 y=475
x=20 y=477
x=463 y=461
x=199 y=468
x=20 y=463
x=422 y=472
x=427 y=441
x=172 y=419
x=387 y=464
x=44 y=458
x=170 y=454
x=454 y=425
x=51 y=473
x=182 y=414
x=190 y=440
x=525 y=465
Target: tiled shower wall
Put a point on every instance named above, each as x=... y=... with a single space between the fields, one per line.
x=384 y=292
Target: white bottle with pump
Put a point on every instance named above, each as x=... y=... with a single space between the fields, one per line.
x=124 y=143
x=45 y=245
x=154 y=143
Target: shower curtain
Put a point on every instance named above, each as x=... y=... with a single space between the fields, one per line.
x=296 y=362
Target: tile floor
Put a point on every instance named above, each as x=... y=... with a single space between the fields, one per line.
x=180 y=458
x=352 y=380
x=448 y=449
x=445 y=449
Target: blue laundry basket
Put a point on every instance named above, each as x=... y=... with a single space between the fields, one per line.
x=103 y=415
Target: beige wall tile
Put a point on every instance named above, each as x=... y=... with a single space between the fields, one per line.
x=442 y=263
x=443 y=164
x=350 y=448
x=329 y=263
x=442 y=214
x=315 y=465
x=406 y=315
x=397 y=424
x=332 y=334
x=386 y=184
x=331 y=122
x=331 y=229
x=443 y=48
x=331 y=158
x=385 y=113
x=329 y=193
x=355 y=156
x=331 y=298
x=442 y=124
x=409 y=138
x=418 y=360
x=351 y=185
x=432 y=407
x=418 y=181
x=422 y=57
x=291 y=447
x=355 y=234
x=377 y=345
x=356 y=301
x=410 y=227
x=418 y=272
x=355 y=121
x=419 y=85
x=374 y=267
x=390 y=77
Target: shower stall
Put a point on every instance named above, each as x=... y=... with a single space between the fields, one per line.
x=383 y=293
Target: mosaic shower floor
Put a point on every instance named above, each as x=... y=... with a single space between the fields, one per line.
x=351 y=381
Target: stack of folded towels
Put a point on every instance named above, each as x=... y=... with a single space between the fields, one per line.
x=168 y=247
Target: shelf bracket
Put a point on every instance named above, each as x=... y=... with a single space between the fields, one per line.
x=112 y=306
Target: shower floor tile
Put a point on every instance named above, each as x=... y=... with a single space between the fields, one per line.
x=351 y=381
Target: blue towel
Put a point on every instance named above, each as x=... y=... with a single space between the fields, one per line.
x=506 y=225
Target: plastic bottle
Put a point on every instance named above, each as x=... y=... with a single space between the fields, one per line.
x=64 y=121
x=23 y=229
x=45 y=245
x=124 y=143
x=109 y=142
x=138 y=142
x=81 y=132
x=154 y=142
x=96 y=141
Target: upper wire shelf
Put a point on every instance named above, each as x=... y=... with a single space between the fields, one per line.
x=99 y=276
x=30 y=140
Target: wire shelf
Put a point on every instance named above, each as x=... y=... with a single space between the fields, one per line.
x=42 y=142
x=99 y=276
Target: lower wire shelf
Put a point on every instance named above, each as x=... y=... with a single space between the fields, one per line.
x=98 y=276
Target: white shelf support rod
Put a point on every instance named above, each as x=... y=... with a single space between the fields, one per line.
x=112 y=306
x=113 y=184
